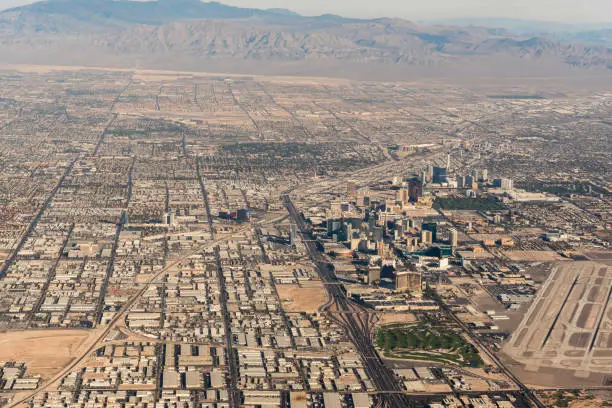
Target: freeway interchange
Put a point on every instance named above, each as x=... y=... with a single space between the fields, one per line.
x=350 y=315
x=350 y=318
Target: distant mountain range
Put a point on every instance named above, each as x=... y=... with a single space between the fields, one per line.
x=586 y=33
x=520 y=26
x=193 y=35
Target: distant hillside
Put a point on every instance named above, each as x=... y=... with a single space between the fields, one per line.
x=516 y=26
x=587 y=33
x=142 y=12
x=192 y=35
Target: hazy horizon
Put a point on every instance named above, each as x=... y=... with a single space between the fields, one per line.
x=565 y=11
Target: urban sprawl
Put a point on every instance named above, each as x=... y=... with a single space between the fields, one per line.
x=209 y=241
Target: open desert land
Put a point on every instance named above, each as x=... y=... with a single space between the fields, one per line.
x=385 y=318
x=604 y=257
x=533 y=256
x=297 y=298
x=46 y=352
x=168 y=75
x=569 y=324
x=577 y=399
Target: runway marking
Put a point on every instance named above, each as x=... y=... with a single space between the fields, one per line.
x=554 y=323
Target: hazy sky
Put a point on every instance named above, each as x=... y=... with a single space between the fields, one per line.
x=559 y=10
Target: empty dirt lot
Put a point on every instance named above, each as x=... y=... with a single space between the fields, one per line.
x=45 y=352
x=395 y=318
x=297 y=298
x=533 y=256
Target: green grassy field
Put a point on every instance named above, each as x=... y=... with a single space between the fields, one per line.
x=425 y=342
x=474 y=204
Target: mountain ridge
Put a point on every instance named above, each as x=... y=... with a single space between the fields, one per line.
x=213 y=34
x=157 y=12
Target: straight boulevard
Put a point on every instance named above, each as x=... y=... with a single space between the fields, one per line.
x=384 y=379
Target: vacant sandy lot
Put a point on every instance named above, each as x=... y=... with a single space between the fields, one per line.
x=391 y=318
x=585 y=400
x=45 y=352
x=534 y=256
x=302 y=299
x=437 y=388
x=604 y=257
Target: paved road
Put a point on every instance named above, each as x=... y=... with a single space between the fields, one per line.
x=111 y=263
x=206 y=201
x=351 y=319
x=28 y=232
x=118 y=318
x=527 y=393
x=99 y=338
x=234 y=392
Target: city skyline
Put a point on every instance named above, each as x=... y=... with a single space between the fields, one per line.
x=205 y=206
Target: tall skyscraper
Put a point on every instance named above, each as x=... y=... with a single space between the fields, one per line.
x=371 y=219
x=426 y=237
x=460 y=182
x=431 y=227
x=349 y=231
x=336 y=209
x=378 y=234
x=333 y=226
x=351 y=190
x=415 y=190
x=170 y=218
x=363 y=201
x=504 y=183
x=373 y=275
x=507 y=184
x=440 y=175
x=408 y=281
x=476 y=174
x=403 y=195
x=470 y=182
x=454 y=238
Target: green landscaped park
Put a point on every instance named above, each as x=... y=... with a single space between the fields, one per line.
x=425 y=342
